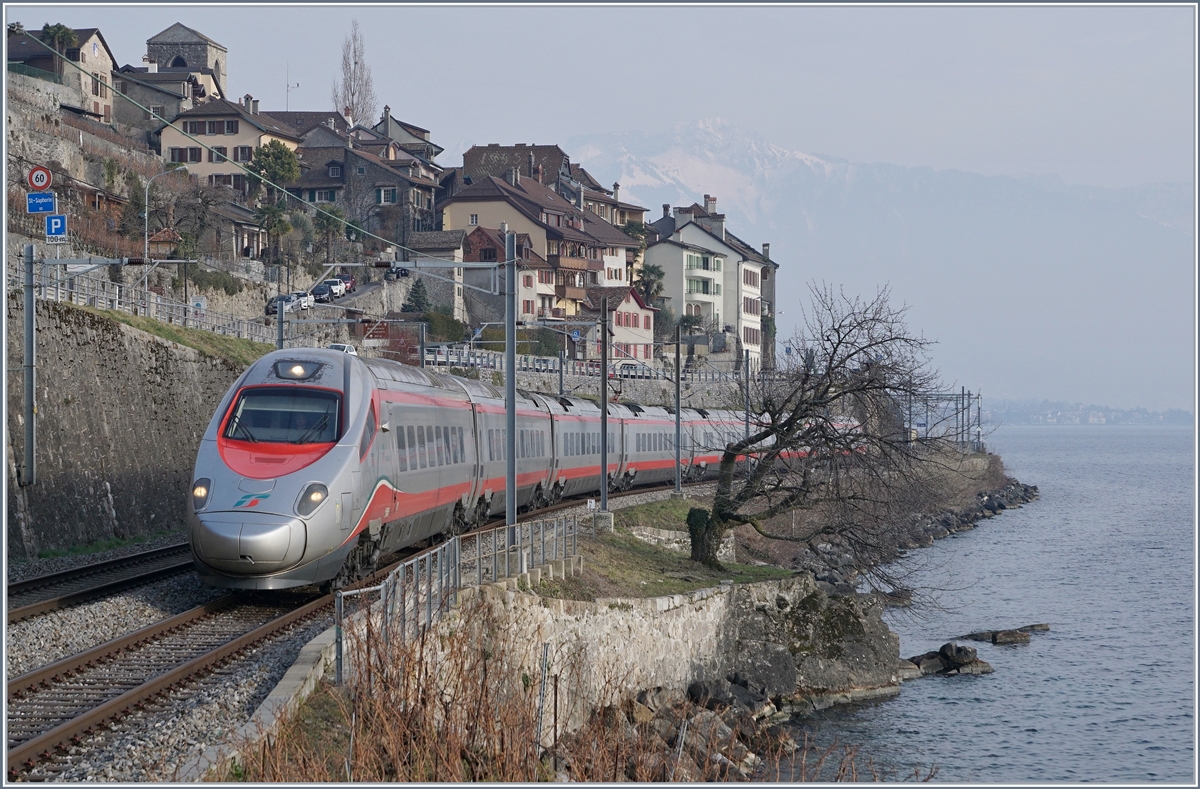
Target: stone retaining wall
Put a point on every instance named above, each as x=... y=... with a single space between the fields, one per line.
x=120 y=416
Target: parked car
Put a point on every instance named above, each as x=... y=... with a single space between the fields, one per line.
x=395 y=272
x=305 y=298
x=351 y=282
x=344 y=348
x=337 y=286
x=322 y=293
x=290 y=304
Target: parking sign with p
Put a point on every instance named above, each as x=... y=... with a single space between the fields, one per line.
x=56 y=229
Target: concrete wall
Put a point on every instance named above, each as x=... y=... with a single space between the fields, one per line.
x=120 y=416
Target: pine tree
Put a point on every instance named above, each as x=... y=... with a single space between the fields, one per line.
x=418 y=299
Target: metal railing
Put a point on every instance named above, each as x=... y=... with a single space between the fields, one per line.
x=54 y=284
x=36 y=73
x=419 y=591
x=618 y=368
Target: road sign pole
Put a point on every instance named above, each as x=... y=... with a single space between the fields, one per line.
x=29 y=473
x=510 y=373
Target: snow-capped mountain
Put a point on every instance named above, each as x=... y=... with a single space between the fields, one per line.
x=1033 y=287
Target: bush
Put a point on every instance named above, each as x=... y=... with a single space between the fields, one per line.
x=216 y=280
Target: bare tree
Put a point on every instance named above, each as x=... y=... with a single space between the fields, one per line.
x=355 y=90
x=827 y=435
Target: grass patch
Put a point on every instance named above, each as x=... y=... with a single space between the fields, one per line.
x=236 y=350
x=670 y=514
x=621 y=565
x=108 y=544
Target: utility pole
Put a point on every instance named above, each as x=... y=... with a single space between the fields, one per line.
x=510 y=373
x=604 y=404
x=678 y=427
x=561 y=362
x=279 y=323
x=29 y=472
x=747 y=381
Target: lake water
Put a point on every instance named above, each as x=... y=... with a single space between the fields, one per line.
x=1106 y=557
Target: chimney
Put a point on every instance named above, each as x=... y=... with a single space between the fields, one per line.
x=616 y=193
x=254 y=108
x=387 y=111
x=151 y=64
x=766 y=250
x=666 y=210
x=349 y=118
x=246 y=102
x=531 y=175
x=512 y=176
x=537 y=173
x=710 y=204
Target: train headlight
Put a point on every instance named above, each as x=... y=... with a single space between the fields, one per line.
x=311 y=498
x=295 y=370
x=200 y=493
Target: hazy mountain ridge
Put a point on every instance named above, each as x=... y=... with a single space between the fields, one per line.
x=1034 y=287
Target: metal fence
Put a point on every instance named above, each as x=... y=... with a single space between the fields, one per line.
x=618 y=368
x=416 y=594
x=37 y=73
x=52 y=283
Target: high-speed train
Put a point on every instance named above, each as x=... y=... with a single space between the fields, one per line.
x=318 y=462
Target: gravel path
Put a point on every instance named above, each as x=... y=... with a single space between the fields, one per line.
x=44 y=639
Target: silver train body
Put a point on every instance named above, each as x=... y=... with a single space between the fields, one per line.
x=317 y=462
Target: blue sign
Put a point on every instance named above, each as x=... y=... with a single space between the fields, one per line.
x=56 y=226
x=575 y=335
x=787 y=349
x=39 y=203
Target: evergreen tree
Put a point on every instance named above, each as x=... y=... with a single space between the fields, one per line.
x=418 y=299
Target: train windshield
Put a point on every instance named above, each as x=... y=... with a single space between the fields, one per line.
x=285 y=416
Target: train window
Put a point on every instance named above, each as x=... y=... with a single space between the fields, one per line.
x=438 y=445
x=294 y=416
x=412 y=449
x=491 y=444
x=364 y=443
x=462 y=448
x=421 y=445
x=452 y=442
x=401 y=452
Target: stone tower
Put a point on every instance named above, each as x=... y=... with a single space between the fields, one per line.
x=180 y=46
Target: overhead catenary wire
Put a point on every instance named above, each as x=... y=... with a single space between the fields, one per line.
x=248 y=172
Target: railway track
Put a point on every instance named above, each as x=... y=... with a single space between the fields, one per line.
x=50 y=592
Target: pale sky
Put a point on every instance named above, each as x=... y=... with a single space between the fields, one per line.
x=1096 y=95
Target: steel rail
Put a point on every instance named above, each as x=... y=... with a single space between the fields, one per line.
x=108 y=584
x=26 y=754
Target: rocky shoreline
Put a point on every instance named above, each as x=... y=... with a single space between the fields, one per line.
x=732 y=728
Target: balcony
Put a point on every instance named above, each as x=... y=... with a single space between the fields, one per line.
x=574 y=264
x=551 y=313
x=570 y=292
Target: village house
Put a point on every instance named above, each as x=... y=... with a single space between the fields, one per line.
x=232 y=130
x=441 y=247
x=632 y=322
x=92 y=81
x=713 y=274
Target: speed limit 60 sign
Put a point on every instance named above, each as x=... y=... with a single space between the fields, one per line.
x=39 y=178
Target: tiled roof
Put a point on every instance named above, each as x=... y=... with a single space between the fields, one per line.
x=616 y=294
x=221 y=107
x=427 y=240
x=584 y=177
x=495 y=160
x=166 y=235
x=606 y=234
x=301 y=122
x=172 y=35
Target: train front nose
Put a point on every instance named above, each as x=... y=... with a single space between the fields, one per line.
x=248 y=543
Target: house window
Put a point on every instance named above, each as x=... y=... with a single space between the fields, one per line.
x=194 y=154
x=361 y=171
x=231 y=127
x=216 y=127
x=751 y=336
x=239 y=182
x=156 y=111
x=649 y=351
x=243 y=153
x=218 y=153
x=178 y=155
x=527 y=306
x=335 y=171
x=750 y=278
x=545 y=277
x=636 y=320
x=473 y=219
x=108 y=113
x=487 y=254
x=647 y=323
x=387 y=195
x=528 y=280
x=552 y=247
x=196 y=128
x=324 y=196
